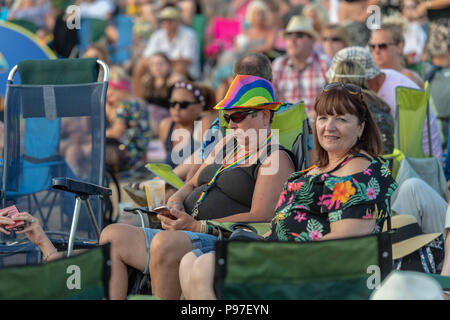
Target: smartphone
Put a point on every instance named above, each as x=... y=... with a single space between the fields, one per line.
x=19 y=225
x=164 y=211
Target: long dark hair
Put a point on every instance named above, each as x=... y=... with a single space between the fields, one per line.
x=339 y=100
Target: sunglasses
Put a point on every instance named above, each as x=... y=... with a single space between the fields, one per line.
x=381 y=46
x=351 y=88
x=182 y=104
x=238 y=116
x=297 y=35
x=334 y=39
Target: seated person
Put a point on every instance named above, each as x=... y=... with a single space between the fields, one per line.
x=333 y=199
x=386 y=45
x=240 y=181
x=260 y=36
x=189 y=102
x=127 y=124
x=34 y=233
x=348 y=71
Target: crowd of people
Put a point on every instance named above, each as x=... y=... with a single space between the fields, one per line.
x=191 y=60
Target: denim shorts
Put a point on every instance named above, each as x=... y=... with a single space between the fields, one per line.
x=201 y=243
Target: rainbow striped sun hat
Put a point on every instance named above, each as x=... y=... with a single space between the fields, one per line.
x=249 y=92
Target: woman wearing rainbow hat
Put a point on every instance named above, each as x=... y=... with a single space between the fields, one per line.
x=240 y=181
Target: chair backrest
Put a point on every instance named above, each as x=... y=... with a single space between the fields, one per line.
x=411 y=111
x=332 y=269
x=80 y=277
x=59 y=104
x=290 y=121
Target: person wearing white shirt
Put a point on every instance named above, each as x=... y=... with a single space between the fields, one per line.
x=177 y=41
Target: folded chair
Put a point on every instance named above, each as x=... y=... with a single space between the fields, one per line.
x=81 y=277
x=331 y=269
x=58 y=104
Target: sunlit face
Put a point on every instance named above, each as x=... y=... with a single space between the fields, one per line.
x=409 y=9
x=249 y=129
x=170 y=25
x=114 y=96
x=258 y=17
x=186 y=115
x=384 y=51
x=331 y=42
x=338 y=133
x=159 y=67
x=298 y=45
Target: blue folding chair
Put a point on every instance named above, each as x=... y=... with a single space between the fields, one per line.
x=121 y=51
x=54 y=95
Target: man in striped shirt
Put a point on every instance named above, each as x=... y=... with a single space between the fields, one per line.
x=300 y=74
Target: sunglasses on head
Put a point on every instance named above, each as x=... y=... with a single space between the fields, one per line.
x=297 y=35
x=238 y=116
x=351 y=88
x=334 y=39
x=381 y=46
x=182 y=104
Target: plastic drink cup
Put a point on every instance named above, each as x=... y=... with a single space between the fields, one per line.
x=156 y=193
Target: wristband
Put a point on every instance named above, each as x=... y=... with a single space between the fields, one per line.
x=49 y=255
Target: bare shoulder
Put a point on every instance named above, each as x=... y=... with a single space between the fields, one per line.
x=279 y=161
x=355 y=165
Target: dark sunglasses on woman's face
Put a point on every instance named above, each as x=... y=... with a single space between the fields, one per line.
x=182 y=104
x=238 y=116
x=352 y=88
x=334 y=39
x=381 y=46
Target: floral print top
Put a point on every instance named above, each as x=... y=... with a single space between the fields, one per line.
x=138 y=133
x=309 y=203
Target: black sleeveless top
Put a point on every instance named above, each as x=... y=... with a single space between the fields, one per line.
x=231 y=193
x=180 y=155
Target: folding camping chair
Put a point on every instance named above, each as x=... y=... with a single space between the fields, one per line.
x=332 y=269
x=81 y=277
x=293 y=130
x=53 y=97
x=409 y=159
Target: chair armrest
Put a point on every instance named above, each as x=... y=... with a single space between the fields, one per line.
x=80 y=188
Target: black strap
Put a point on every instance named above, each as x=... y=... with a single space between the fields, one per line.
x=430 y=75
x=406 y=232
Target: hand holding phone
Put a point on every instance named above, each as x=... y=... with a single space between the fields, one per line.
x=19 y=225
x=165 y=211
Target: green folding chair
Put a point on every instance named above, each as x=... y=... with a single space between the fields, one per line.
x=292 y=125
x=80 y=277
x=332 y=269
x=411 y=111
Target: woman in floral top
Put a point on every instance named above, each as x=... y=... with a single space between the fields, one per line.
x=128 y=129
x=345 y=194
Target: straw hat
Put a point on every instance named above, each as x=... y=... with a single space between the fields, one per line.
x=249 y=92
x=357 y=54
x=169 y=13
x=301 y=24
x=408 y=236
x=408 y=285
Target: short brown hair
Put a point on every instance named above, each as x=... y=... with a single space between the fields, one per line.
x=338 y=100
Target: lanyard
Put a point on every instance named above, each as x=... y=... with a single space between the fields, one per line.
x=223 y=168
